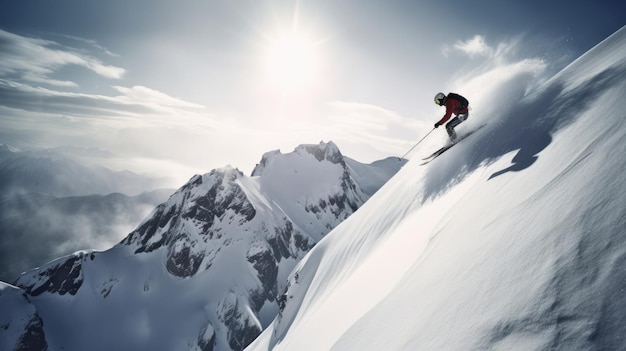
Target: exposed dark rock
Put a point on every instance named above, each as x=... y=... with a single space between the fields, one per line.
x=62 y=278
x=181 y=261
x=223 y=196
x=242 y=327
x=337 y=204
x=302 y=242
x=107 y=287
x=264 y=262
x=280 y=242
x=148 y=229
x=325 y=151
x=322 y=151
x=217 y=201
x=21 y=327
x=34 y=338
x=195 y=181
x=206 y=339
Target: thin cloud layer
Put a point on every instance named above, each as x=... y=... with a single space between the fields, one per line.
x=478 y=47
x=380 y=128
x=147 y=96
x=133 y=122
x=34 y=60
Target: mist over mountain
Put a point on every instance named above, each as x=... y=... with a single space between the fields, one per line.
x=57 y=201
x=37 y=228
x=207 y=269
x=61 y=172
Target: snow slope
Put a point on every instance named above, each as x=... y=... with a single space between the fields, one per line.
x=513 y=240
x=21 y=326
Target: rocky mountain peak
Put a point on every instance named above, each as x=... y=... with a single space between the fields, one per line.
x=222 y=234
x=321 y=152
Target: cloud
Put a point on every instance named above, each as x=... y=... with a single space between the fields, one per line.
x=137 y=102
x=362 y=116
x=137 y=122
x=362 y=131
x=27 y=83
x=37 y=228
x=140 y=124
x=143 y=95
x=477 y=46
x=91 y=43
x=34 y=60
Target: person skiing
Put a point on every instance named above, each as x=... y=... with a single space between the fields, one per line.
x=455 y=104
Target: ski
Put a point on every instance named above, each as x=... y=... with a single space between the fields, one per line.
x=438 y=153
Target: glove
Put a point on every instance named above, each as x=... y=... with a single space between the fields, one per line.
x=436 y=125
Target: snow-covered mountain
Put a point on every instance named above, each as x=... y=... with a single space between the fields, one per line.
x=515 y=239
x=21 y=327
x=205 y=270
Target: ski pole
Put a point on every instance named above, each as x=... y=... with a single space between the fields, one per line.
x=411 y=149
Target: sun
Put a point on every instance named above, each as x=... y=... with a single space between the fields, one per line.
x=292 y=61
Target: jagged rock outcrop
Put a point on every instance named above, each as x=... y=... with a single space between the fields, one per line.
x=62 y=276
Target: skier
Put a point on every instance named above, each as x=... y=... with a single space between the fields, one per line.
x=455 y=104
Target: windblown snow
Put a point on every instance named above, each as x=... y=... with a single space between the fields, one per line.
x=512 y=240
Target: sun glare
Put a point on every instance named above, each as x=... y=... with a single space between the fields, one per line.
x=291 y=61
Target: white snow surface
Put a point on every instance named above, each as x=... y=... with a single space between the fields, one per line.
x=515 y=239
x=16 y=314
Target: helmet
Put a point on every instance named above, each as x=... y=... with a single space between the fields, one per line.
x=439 y=98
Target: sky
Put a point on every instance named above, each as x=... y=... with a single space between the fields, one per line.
x=178 y=88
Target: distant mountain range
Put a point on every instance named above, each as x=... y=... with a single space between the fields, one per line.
x=54 y=172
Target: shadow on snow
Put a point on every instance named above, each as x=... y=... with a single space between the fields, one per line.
x=528 y=127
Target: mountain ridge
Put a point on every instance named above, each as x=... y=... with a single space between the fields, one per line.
x=55 y=172
x=216 y=227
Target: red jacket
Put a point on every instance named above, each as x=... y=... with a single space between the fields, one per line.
x=453 y=106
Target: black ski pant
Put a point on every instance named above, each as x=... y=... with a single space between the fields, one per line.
x=460 y=118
